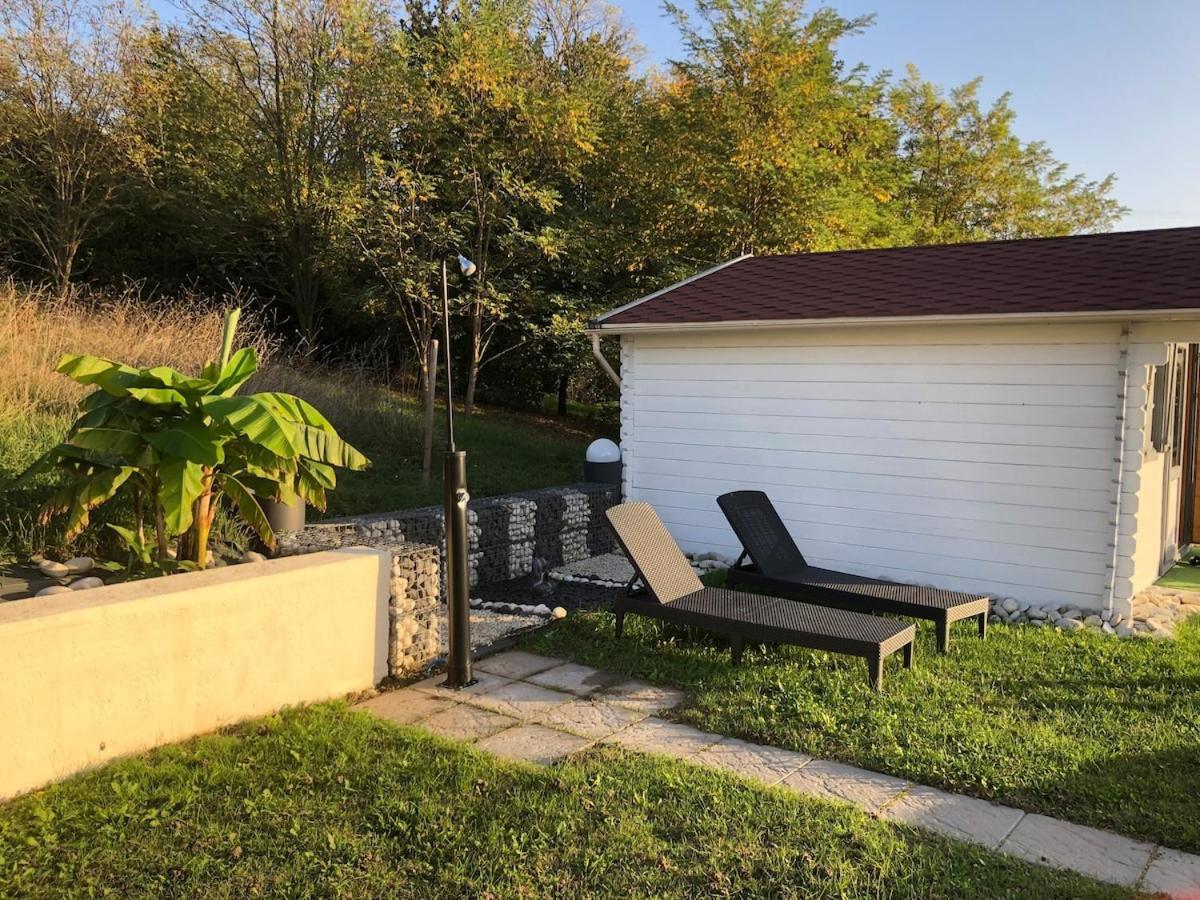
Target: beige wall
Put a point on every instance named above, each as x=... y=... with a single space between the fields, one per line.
x=88 y=676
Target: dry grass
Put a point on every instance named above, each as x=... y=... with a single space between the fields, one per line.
x=36 y=329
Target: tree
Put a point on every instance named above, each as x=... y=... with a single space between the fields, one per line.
x=301 y=73
x=762 y=141
x=971 y=178
x=64 y=153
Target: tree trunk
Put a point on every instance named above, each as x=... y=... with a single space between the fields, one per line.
x=563 y=382
x=476 y=354
x=429 y=373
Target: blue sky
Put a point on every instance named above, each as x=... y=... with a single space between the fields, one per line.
x=1109 y=85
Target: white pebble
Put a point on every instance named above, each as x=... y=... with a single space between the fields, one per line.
x=80 y=564
x=53 y=569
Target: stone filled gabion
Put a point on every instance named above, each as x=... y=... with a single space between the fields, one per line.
x=413 y=608
x=559 y=524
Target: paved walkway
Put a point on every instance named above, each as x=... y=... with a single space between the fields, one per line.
x=538 y=709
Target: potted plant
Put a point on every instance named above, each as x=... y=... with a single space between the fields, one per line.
x=179 y=446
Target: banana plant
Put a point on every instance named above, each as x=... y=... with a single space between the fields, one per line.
x=180 y=445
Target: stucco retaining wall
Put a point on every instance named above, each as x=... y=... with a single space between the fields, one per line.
x=91 y=675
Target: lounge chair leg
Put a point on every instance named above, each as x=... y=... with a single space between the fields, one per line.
x=738 y=645
x=875 y=672
x=943 y=635
x=908 y=655
x=620 y=622
x=982 y=626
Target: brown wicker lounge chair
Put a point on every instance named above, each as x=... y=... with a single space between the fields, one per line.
x=776 y=565
x=672 y=592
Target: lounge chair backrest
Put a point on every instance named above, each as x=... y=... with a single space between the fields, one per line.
x=765 y=538
x=659 y=562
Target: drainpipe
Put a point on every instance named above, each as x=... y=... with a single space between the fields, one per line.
x=608 y=369
x=1122 y=419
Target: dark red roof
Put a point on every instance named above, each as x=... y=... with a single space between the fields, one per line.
x=1127 y=271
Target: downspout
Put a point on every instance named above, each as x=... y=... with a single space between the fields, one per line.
x=1122 y=419
x=603 y=363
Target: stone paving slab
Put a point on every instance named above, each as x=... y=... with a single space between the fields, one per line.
x=1173 y=871
x=533 y=743
x=1098 y=854
x=467 y=723
x=768 y=765
x=519 y=699
x=649 y=698
x=956 y=816
x=591 y=718
x=573 y=678
x=867 y=790
x=660 y=736
x=407 y=706
x=515 y=664
x=484 y=681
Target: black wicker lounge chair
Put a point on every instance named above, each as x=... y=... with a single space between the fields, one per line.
x=671 y=592
x=771 y=561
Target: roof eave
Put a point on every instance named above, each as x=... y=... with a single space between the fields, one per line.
x=598 y=322
x=1158 y=315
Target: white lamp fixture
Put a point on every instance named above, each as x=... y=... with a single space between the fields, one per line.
x=603 y=451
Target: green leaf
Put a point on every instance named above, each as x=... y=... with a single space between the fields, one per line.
x=111 y=377
x=91 y=493
x=189 y=440
x=114 y=441
x=317 y=436
x=256 y=420
x=159 y=396
x=181 y=482
x=241 y=366
x=170 y=378
x=296 y=410
x=319 y=472
x=249 y=509
x=327 y=447
x=311 y=489
x=97 y=400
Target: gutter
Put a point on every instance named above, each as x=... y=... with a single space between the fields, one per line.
x=1150 y=315
x=601 y=360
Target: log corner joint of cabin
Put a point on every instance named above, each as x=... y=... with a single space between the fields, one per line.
x=941 y=415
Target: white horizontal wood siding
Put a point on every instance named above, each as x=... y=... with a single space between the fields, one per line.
x=976 y=458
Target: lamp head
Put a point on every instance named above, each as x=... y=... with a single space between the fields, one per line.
x=468 y=267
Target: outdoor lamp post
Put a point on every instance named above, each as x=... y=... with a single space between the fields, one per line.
x=455 y=498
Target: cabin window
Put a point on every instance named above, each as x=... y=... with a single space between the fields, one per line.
x=1166 y=414
x=1158 y=409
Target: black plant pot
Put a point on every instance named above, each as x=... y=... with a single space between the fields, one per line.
x=282 y=517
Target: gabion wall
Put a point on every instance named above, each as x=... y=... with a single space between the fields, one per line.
x=559 y=524
x=413 y=608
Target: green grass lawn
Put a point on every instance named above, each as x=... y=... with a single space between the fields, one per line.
x=325 y=801
x=1181 y=576
x=1082 y=726
x=506 y=452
